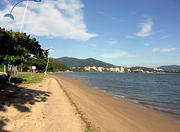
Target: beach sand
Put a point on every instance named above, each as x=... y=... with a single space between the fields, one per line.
x=48 y=107
x=40 y=107
x=108 y=114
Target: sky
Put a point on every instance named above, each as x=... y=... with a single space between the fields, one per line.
x=121 y=32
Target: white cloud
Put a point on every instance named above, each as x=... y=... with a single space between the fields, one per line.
x=51 y=51
x=146 y=27
x=164 y=37
x=164 y=49
x=168 y=49
x=60 y=18
x=115 y=54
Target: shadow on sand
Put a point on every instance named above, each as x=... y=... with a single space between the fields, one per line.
x=18 y=97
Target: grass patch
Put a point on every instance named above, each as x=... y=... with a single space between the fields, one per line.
x=27 y=78
x=1 y=68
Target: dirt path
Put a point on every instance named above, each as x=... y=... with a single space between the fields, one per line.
x=53 y=114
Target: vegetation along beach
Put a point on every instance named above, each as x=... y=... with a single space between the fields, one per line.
x=89 y=66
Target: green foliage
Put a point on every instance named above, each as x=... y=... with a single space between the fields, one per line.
x=143 y=68
x=17 y=48
x=39 y=63
x=1 y=68
x=55 y=66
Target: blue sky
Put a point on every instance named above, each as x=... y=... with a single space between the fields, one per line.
x=121 y=32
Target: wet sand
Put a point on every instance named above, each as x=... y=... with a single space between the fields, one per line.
x=108 y=114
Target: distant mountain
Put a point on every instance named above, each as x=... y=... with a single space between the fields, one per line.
x=170 y=67
x=74 y=62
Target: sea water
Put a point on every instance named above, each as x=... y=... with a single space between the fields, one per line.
x=156 y=91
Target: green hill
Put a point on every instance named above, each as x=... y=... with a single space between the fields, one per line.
x=170 y=67
x=55 y=66
x=74 y=62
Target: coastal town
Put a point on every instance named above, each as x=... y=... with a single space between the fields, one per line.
x=118 y=69
x=94 y=65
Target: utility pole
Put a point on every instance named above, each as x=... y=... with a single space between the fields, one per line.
x=45 y=73
x=4 y=69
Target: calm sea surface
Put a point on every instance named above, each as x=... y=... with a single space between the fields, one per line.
x=156 y=91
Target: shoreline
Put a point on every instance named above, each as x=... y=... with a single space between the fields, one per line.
x=137 y=103
x=144 y=105
x=107 y=113
x=141 y=104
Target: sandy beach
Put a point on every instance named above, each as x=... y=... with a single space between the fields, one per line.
x=40 y=107
x=60 y=104
x=108 y=114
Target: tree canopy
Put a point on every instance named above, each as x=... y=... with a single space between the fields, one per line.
x=17 y=48
x=55 y=66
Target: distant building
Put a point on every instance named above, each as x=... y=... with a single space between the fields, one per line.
x=138 y=70
x=128 y=70
x=158 y=69
x=87 y=68
x=122 y=69
x=116 y=69
x=94 y=68
x=111 y=69
x=100 y=69
x=107 y=69
x=73 y=67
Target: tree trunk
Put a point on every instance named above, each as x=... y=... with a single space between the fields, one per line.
x=9 y=77
x=21 y=67
x=14 y=70
x=45 y=73
x=9 y=72
x=4 y=69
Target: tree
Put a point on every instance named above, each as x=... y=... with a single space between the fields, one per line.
x=17 y=48
x=55 y=66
